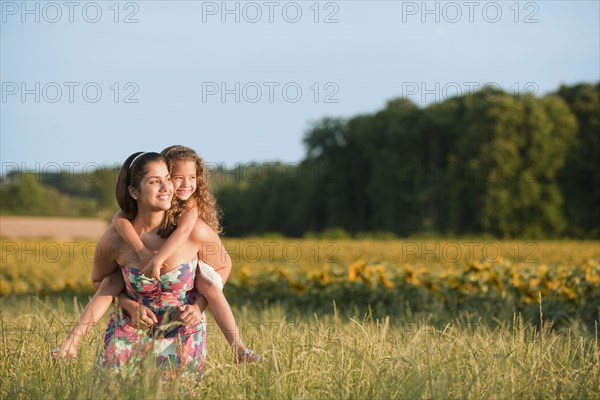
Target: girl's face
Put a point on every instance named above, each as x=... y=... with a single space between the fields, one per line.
x=156 y=189
x=183 y=177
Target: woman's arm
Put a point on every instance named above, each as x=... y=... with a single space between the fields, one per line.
x=185 y=224
x=105 y=257
x=109 y=287
x=108 y=281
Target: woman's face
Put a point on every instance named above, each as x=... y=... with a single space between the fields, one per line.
x=156 y=189
x=183 y=177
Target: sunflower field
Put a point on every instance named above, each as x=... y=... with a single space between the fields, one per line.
x=386 y=277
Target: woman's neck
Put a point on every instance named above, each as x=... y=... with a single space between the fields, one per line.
x=145 y=222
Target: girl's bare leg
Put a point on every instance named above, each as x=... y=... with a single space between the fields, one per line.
x=221 y=311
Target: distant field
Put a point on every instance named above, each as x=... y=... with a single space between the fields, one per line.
x=486 y=277
x=58 y=228
x=41 y=256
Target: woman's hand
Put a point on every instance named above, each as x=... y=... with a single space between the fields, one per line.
x=67 y=349
x=142 y=316
x=190 y=314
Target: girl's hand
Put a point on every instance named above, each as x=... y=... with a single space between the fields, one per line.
x=156 y=271
x=190 y=314
x=152 y=269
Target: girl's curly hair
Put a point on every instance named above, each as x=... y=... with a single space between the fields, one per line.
x=205 y=200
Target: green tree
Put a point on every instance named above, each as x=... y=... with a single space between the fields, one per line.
x=580 y=177
x=507 y=153
x=394 y=146
x=24 y=195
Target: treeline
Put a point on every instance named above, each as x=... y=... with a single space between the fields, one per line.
x=489 y=163
x=64 y=194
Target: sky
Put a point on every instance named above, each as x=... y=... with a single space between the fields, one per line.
x=89 y=83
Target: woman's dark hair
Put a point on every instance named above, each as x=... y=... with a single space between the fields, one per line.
x=131 y=173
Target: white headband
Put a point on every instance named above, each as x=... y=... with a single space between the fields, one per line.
x=136 y=157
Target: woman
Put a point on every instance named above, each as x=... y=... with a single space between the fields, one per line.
x=162 y=318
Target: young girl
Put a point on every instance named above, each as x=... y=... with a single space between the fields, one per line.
x=194 y=208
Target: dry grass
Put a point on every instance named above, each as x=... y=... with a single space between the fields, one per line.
x=325 y=357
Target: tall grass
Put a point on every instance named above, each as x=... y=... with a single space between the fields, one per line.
x=317 y=356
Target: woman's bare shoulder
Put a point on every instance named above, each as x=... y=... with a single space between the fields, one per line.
x=110 y=239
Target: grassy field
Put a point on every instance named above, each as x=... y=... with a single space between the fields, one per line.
x=337 y=319
x=319 y=356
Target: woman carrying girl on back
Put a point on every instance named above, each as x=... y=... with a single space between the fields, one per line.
x=193 y=213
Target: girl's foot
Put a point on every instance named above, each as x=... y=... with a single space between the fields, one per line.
x=248 y=356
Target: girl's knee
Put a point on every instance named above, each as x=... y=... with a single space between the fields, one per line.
x=225 y=272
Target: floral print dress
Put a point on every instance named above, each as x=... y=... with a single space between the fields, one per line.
x=172 y=344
